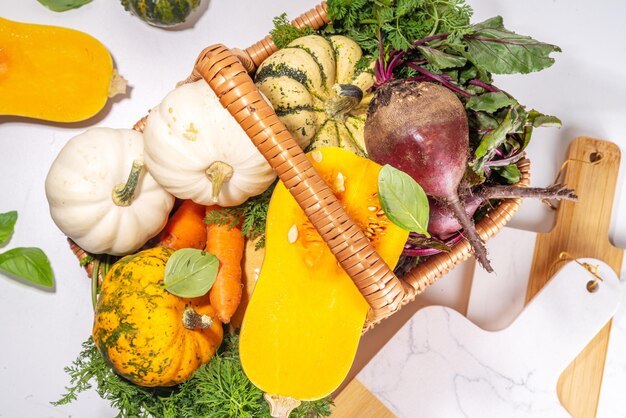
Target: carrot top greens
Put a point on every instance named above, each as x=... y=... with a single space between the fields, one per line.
x=218 y=389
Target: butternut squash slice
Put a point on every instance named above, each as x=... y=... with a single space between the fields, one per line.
x=303 y=323
x=54 y=73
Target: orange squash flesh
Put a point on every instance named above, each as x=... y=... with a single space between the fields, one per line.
x=302 y=326
x=52 y=73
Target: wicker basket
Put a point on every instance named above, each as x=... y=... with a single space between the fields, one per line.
x=227 y=73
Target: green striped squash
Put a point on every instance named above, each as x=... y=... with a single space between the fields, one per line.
x=318 y=88
x=161 y=12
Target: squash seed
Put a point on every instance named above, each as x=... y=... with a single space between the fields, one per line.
x=340 y=182
x=292 y=235
x=317 y=156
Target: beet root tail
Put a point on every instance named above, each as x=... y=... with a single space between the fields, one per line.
x=469 y=230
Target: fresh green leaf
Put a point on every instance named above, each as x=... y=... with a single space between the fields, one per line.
x=510 y=173
x=7 y=226
x=495 y=23
x=537 y=119
x=500 y=51
x=190 y=272
x=63 y=5
x=486 y=121
x=428 y=242
x=403 y=200
x=28 y=263
x=490 y=102
x=496 y=137
x=440 y=60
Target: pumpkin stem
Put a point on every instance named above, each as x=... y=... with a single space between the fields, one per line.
x=193 y=320
x=123 y=193
x=280 y=406
x=218 y=172
x=117 y=85
x=347 y=97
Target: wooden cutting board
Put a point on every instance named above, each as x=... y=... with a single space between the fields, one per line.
x=581 y=231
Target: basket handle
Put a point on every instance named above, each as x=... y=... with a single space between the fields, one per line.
x=225 y=74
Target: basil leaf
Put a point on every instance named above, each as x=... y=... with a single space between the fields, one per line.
x=28 y=263
x=500 y=51
x=490 y=102
x=63 y=5
x=403 y=200
x=439 y=59
x=7 y=226
x=190 y=272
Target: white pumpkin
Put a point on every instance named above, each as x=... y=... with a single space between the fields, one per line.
x=196 y=150
x=101 y=196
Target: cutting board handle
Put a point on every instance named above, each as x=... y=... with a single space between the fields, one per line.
x=591 y=169
x=565 y=315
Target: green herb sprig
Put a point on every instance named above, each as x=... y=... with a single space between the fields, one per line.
x=252 y=214
x=218 y=389
x=396 y=22
x=283 y=32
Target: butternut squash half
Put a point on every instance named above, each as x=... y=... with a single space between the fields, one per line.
x=302 y=326
x=54 y=73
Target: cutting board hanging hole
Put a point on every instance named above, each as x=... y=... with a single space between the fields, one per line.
x=592 y=285
x=595 y=157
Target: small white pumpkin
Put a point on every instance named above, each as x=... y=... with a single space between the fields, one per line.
x=101 y=197
x=196 y=150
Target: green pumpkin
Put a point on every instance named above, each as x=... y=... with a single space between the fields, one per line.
x=161 y=13
x=318 y=88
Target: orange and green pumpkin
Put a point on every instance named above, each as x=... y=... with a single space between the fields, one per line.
x=146 y=334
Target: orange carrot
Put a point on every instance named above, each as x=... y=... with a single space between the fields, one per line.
x=227 y=244
x=185 y=228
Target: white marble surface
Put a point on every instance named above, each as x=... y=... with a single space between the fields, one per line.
x=461 y=370
x=510 y=251
x=496 y=299
x=612 y=403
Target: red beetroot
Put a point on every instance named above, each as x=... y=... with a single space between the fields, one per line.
x=421 y=129
x=442 y=222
